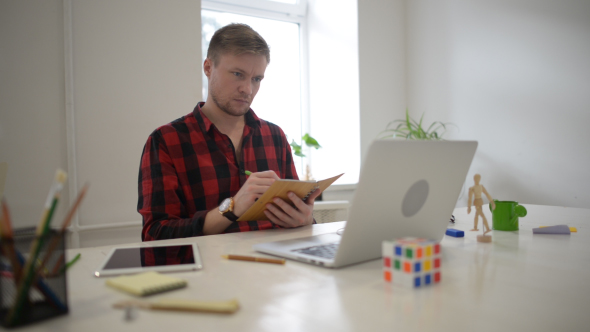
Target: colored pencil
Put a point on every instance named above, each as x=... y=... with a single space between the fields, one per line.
x=254 y=259
x=70 y=263
x=67 y=220
x=40 y=284
x=17 y=260
x=14 y=314
x=8 y=242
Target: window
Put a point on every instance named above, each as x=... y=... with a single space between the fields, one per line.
x=284 y=96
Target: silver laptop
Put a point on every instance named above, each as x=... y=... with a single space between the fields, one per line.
x=406 y=188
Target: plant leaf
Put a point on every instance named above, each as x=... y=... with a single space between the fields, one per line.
x=310 y=141
x=412 y=129
x=296 y=149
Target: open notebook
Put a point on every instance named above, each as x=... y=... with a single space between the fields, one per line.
x=280 y=188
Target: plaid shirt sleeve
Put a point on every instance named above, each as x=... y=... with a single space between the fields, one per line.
x=160 y=198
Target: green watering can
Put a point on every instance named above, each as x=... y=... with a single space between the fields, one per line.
x=505 y=216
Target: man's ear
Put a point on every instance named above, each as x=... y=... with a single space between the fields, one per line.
x=207 y=67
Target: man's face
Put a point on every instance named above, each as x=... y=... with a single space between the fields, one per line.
x=234 y=82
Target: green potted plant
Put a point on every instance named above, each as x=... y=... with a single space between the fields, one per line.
x=412 y=129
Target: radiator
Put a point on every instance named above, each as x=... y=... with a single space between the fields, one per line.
x=330 y=211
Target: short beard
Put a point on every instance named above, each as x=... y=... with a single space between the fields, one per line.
x=227 y=109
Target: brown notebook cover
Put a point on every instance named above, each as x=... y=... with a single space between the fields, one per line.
x=280 y=189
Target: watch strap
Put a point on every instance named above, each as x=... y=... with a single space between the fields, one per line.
x=231 y=216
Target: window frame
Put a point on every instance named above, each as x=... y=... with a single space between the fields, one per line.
x=297 y=9
x=293 y=13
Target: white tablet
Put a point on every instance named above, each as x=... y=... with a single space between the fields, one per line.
x=151 y=257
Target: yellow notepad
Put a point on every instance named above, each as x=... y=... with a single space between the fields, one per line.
x=280 y=188
x=146 y=283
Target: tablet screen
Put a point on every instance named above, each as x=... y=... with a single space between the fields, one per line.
x=177 y=257
x=124 y=258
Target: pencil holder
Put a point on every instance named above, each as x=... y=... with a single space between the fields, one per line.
x=47 y=295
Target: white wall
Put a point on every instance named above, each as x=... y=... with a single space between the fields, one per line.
x=136 y=65
x=382 y=69
x=513 y=75
x=32 y=104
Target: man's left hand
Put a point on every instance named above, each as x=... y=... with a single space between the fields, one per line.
x=285 y=215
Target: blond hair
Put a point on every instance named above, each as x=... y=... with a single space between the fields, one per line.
x=236 y=39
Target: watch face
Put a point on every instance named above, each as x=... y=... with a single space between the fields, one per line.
x=225 y=205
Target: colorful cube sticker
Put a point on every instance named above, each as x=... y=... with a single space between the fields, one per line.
x=387 y=275
x=409 y=253
x=411 y=262
x=387 y=261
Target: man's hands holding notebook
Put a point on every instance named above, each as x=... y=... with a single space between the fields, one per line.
x=281 y=212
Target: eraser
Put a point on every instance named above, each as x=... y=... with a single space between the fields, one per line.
x=572 y=229
x=559 y=229
x=455 y=232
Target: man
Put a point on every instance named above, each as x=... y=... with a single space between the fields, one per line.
x=192 y=177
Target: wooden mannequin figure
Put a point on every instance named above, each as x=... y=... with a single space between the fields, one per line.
x=476 y=192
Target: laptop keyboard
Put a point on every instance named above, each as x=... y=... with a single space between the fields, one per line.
x=324 y=250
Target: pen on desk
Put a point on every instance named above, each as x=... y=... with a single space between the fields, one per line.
x=247 y=172
x=254 y=259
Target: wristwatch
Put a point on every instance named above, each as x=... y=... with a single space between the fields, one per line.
x=226 y=209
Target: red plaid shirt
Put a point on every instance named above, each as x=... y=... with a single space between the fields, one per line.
x=188 y=168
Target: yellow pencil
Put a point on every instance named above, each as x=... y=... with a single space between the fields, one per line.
x=254 y=259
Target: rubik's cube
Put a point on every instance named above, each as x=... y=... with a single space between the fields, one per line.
x=411 y=262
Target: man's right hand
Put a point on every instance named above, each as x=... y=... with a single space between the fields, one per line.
x=253 y=188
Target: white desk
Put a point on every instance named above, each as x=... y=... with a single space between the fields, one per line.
x=520 y=282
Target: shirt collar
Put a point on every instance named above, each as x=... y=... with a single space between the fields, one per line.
x=252 y=120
